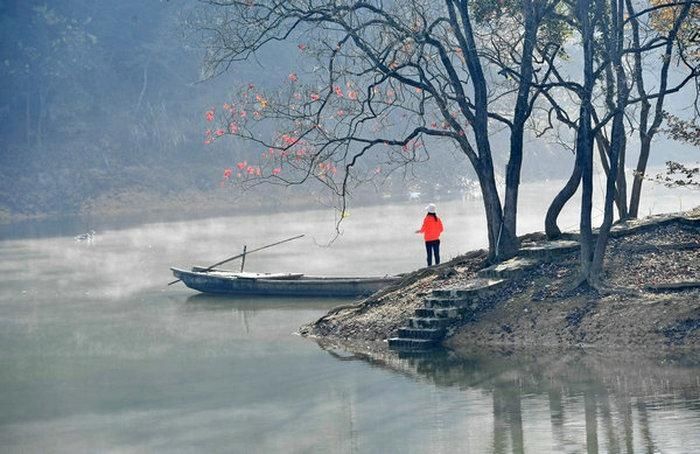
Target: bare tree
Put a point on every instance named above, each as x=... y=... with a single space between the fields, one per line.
x=634 y=53
x=669 y=17
x=603 y=28
x=392 y=79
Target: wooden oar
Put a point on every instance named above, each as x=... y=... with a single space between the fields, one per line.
x=242 y=255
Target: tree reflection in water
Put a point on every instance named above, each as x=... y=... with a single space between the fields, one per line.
x=614 y=402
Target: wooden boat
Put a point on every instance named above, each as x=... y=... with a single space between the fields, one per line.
x=279 y=284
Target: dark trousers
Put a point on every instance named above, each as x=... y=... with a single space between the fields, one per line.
x=432 y=248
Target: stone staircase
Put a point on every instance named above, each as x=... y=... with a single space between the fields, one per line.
x=444 y=309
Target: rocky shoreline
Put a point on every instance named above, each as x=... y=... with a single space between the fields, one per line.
x=653 y=265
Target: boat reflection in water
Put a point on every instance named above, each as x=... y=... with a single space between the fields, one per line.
x=567 y=401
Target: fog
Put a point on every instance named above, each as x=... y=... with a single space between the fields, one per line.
x=373 y=240
x=102 y=106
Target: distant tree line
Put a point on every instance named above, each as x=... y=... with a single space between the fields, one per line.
x=97 y=98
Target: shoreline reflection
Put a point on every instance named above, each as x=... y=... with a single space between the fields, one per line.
x=567 y=401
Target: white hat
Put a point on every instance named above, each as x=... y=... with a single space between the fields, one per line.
x=430 y=208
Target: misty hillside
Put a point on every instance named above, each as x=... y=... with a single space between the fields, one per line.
x=100 y=99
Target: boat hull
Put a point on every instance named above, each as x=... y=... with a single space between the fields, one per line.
x=313 y=286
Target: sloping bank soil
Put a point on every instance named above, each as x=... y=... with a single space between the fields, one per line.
x=536 y=308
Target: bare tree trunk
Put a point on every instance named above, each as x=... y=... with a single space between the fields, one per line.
x=648 y=135
x=621 y=190
x=617 y=142
x=584 y=145
x=510 y=246
x=609 y=50
x=550 y=221
x=503 y=242
x=493 y=211
x=644 y=151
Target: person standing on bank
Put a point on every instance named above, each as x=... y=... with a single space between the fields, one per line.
x=431 y=230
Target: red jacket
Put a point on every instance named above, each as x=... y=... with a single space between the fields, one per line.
x=432 y=228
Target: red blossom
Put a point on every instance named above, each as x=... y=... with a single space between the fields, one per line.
x=241 y=165
x=210 y=115
x=338 y=91
x=276 y=170
x=314 y=96
x=219 y=132
x=352 y=94
x=293 y=77
x=233 y=128
x=227 y=173
x=289 y=140
x=302 y=47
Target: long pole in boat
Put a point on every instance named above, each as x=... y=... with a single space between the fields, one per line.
x=243 y=259
x=242 y=255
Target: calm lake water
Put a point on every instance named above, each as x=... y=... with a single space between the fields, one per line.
x=98 y=355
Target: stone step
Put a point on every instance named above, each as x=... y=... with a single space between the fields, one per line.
x=424 y=322
x=474 y=288
x=436 y=312
x=549 y=249
x=509 y=269
x=400 y=343
x=422 y=333
x=445 y=302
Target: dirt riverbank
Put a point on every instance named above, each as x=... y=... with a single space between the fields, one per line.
x=653 y=267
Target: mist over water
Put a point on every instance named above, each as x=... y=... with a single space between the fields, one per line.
x=99 y=355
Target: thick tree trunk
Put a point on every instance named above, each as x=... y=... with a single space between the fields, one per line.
x=493 y=211
x=584 y=145
x=500 y=239
x=509 y=246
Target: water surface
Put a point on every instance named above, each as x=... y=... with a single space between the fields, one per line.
x=98 y=355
